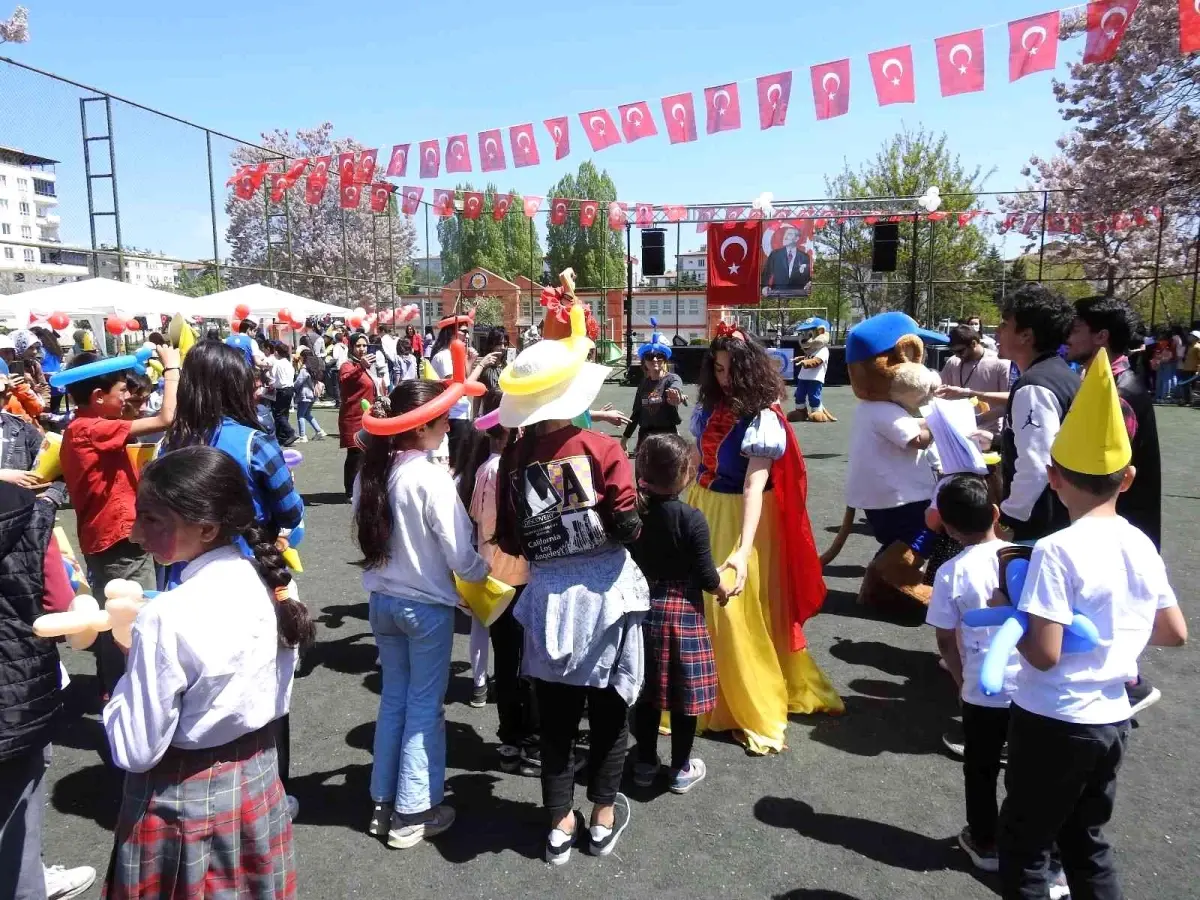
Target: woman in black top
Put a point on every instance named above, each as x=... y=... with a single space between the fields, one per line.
x=656 y=403
x=495 y=347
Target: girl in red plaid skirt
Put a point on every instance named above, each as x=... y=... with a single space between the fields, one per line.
x=674 y=553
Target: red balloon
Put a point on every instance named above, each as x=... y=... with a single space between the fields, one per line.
x=133 y=325
x=242 y=310
x=114 y=326
x=234 y=325
x=355 y=322
x=284 y=315
x=59 y=321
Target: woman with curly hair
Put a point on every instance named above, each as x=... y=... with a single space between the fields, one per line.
x=751 y=486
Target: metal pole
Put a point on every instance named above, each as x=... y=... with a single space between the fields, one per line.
x=346 y=263
x=112 y=169
x=428 y=270
x=212 y=204
x=531 y=301
x=932 y=321
x=94 y=259
x=628 y=298
x=1162 y=224
x=1195 y=275
x=841 y=238
x=1042 y=248
x=392 y=262
x=912 y=274
x=678 y=275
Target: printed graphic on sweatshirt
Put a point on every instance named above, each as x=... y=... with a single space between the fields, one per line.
x=561 y=497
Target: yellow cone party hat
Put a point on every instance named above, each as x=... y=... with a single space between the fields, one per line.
x=1093 y=439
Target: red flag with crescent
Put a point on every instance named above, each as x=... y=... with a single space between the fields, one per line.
x=675 y=213
x=679 y=112
x=443 y=203
x=346 y=167
x=472 y=204
x=734 y=260
x=703 y=217
x=294 y=171
x=238 y=173
x=774 y=93
x=524 y=146
x=1189 y=26
x=318 y=178
x=618 y=212
x=279 y=186
x=560 y=133
x=636 y=121
x=249 y=179
x=364 y=169
x=381 y=192
x=643 y=215
x=458 y=154
x=724 y=110
x=398 y=161
x=491 y=151
x=501 y=203
x=831 y=88
x=532 y=205
x=558 y=211
x=600 y=129
x=588 y=210
x=1106 y=24
x=1032 y=45
x=960 y=62
x=431 y=158
x=350 y=195
x=412 y=199
x=892 y=71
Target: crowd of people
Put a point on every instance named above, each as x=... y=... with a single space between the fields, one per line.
x=668 y=594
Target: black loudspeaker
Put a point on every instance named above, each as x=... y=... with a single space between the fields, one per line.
x=884 y=241
x=654 y=257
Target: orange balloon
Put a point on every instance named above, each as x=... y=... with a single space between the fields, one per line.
x=242 y=310
x=59 y=321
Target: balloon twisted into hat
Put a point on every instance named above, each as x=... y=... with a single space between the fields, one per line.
x=656 y=344
x=457 y=387
x=467 y=319
x=577 y=345
x=559 y=302
x=134 y=362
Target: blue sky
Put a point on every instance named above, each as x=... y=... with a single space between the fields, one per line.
x=386 y=73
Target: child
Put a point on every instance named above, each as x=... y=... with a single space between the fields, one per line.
x=674 y=553
x=209 y=673
x=262 y=402
x=307 y=379
x=964 y=582
x=283 y=379
x=415 y=535
x=102 y=483
x=1070 y=713
x=405 y=368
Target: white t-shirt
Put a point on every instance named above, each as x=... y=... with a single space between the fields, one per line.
x=816 y=373
x=884 y=471
x=283 y=373
x=1109 y=571
x=967 y=582
x=444 y=366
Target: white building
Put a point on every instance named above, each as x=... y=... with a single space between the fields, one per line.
x=694 y=263
x=29 y=221
x=688 y=318
x=142 y=269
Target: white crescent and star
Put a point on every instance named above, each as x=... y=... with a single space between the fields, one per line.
x=1121 y=13
x=1040 y=32
x=890 y=61
x=630 y=115
x=738 y=241
x=472 y=202
x=523 y=140
x=558 y=134
x=837 y=81
x=720 y=109
x=490 y=143
x=456 y=149
x=399 y=158
x=777 y=90
x=598 y=128
x=431 y=155
x=962 y=69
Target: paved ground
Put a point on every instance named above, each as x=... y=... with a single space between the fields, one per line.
x=865 y=806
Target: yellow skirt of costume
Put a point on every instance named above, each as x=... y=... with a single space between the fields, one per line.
x=759 y=680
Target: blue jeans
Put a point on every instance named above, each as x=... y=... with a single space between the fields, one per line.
x=808 y=392
x=304 y=414
x=414 y=641
x=1164 y=380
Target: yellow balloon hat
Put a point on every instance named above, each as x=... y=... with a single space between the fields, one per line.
x=487 y=599
x=1093 y=439
x=179 y=333
x=576 y=349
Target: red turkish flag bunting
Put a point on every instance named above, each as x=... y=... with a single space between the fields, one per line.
x=350 y=195
x=524 y=146
x=431 y=158
x=443 y=202
x=250 y=180
x=318 y=178
x=532 y=205
x=893 y=74
x=960 y=62
x=643 y=215
x=364 y=170
x=831 y=88
x=618 y=212
x=398 y=161
x=734 y=257
x=491 y=151
x=1189 y=26
x=279 y=186
x=588 y=210
x=1032 y=45
x=472 y=204
x=458 y=154
x=346 y=167
x=679 y=112
x=558 y=211
x=560 y=133
x=724 y=110
x=636 y=121
x=675 y=213
x=232 y=180
x=600 y=129
x=294 y=171
x=500 y=205
x=412 y=199
x=1106 y=24
x=380 y=192
x=774 y=93
x=703 y=217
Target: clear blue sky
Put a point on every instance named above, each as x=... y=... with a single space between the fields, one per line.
x=385 y=73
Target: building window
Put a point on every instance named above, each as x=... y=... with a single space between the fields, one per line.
x=43 y=187
x=667 y=304
x=28 y=255
x=8 y=254
x=5 y=228
x=23 y=208
x=27 y=232
x=23 y=184
x=639 y=307
x=654 y=307
x=693 y=306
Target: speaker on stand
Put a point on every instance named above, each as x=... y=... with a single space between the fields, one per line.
x=654 y=256
x=885 y=241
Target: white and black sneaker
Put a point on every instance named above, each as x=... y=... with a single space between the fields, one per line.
x=559 y=844
x=604 y=840
x=1142 y=695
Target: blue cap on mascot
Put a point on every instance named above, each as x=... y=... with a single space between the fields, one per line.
x=242 y=342
x=812 y=323
x=656 y=343
x=880 y=333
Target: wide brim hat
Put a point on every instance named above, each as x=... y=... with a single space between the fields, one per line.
x=565 y=400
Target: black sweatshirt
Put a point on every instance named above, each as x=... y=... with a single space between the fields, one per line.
x=674 y=545
x=651 y=411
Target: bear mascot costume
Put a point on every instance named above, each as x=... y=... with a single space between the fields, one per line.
x=811 y=366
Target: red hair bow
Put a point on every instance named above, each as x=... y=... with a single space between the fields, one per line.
x=558 y=304
x=725 y=330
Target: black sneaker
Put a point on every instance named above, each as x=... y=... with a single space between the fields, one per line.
x=559 y=845
x=479 y=696
x=1142 y=695
x=530 y=762
x=604 y=840
x=510 y=758
x=984 y=858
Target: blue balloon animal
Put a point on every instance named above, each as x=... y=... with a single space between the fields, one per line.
x=135 y=362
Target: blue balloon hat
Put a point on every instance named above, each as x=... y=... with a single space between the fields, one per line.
x=133 y=362
x=656 y=343
x=812 y=323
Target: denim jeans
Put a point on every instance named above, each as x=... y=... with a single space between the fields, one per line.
x=1165 y=380
x=414 y=641
x=304 y=414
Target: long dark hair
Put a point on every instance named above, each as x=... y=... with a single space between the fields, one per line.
x=215 y=381
x=373 y=521
x=444 y=337
x=204 y=486
x=755 y=383
x=473 y=452
x=495 y=339
x=49 y=340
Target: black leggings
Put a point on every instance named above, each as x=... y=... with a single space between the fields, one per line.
x=646 y=717
x=460 y=430
x=561 y=706
x=516 y=706
x=350 y=469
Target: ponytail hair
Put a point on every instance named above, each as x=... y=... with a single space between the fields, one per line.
x=204 y=486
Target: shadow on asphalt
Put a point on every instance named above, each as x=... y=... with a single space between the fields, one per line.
x=851 y=571
x=845 y=604
x=336 y=616
x=325 y=498
x=352 y=655
x=813 y=894
x=92 y=793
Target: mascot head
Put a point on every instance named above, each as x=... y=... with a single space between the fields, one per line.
x=813 y=333
x=885 y=356
x=556 y=325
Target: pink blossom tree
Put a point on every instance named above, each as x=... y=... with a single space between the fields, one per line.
x=15 y=29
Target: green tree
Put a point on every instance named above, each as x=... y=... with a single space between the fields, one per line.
x=489 y=311
x=198 y=284
x=597 y=254
x=508 y=248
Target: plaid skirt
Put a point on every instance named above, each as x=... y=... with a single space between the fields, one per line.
x=205 y=824
x=681 y=673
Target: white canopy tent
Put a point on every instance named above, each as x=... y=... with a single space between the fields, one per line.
x=265 y=302
x=92 y=297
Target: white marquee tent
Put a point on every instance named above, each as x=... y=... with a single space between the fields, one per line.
x=264 y=302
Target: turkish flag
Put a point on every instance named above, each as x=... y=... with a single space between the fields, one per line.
x=350 y=195
x=491 y=151
x=364 y=171
x=500 y=205
x=831 y=88
x=703 y=217
x=618 y=212
x=524 y=147
x=724 y=110
x=532 y=205
x=600 y=129
x=472 y=204
x=643 y=215
x=380 y=192
x=774 y=92
x=318 y=178
x=732 y=214
x=443 y=202
x=636 y=121
x=1032 y=45
x=398 y=161
x=346 y=167
x=279 y=186
x=588 y=210
x=458 y=154
x=412 y=199
x=893 y=74
x=680 y=115
x=733 y=263
x=560 y=133
x=1189 y=26
x=294 y=171
x=249 y=179
x=675 y=213
x=1106 y=24
x=232 y=180
x=960 y=62
x=431 y=158
x=558 y=211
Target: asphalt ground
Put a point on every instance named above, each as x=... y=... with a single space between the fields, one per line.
x=862 y=806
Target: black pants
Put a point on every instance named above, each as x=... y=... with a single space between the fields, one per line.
x=986 y=729
x=1062 y=784
x=562 y=708
x=350 y=469
x=516 y=705
x=460 y=430
x=281 y=406
x=646 y=717
x=283 y=749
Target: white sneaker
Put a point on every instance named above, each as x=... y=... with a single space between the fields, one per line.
x=63 y=883
x=303 y=439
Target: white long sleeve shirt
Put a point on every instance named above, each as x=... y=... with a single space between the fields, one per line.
x=205 y=666
x=1035 y=418
x=432 y=535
